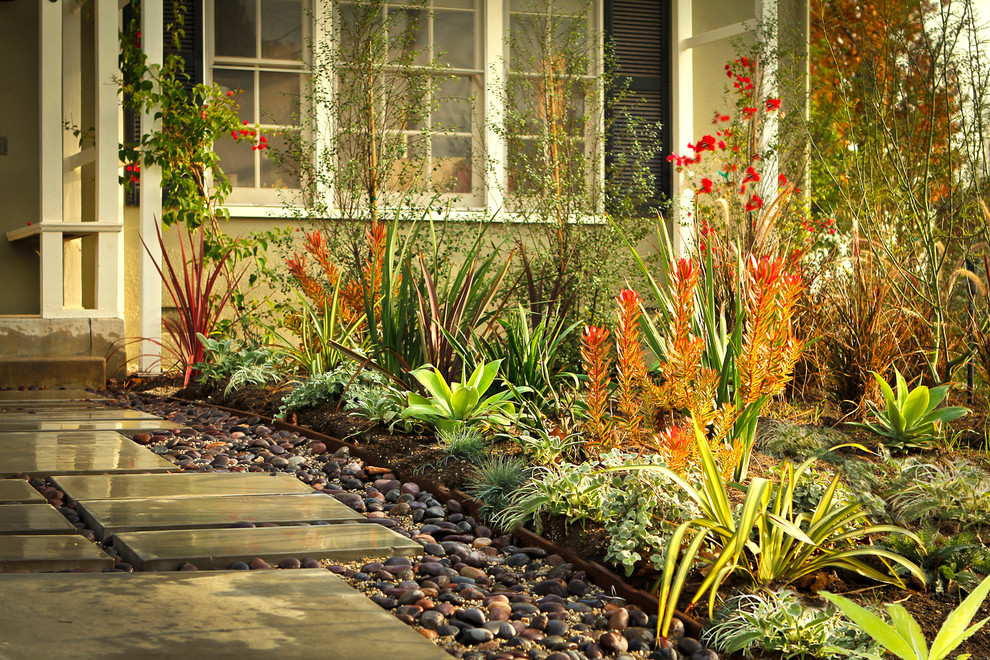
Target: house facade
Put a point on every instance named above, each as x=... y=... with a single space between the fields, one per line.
x=72 y=252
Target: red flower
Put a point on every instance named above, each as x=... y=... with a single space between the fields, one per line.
x=230 y=92
x=233 y=134
x=752 y=176
x=749 y=113
x=781 y=180
x=706 y=186
x=773 y=104
x=755 y=202
x=706 y=143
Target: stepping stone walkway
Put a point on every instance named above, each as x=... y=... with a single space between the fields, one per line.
x=232 y=615
x=179 y=519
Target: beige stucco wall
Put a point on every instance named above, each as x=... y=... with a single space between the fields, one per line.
x=19 y=203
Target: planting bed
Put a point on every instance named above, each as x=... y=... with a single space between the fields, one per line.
x=499 y=563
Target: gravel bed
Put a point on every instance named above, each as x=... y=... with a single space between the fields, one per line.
x=473 y=592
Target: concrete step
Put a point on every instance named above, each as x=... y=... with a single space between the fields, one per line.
x=181 y=484
x=24 y=553
x=107 y=517
x=228 y=615
x=48 y=396
x=124 y=426
x=219 y=548
x=53 y=372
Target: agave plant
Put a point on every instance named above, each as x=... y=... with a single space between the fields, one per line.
x=455 y=405
x=910 y=419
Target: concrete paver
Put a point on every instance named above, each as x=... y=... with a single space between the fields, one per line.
x=33 y=519
x=106 y=517
x=36 y=554
x=182 y=484
x=19 y=491
x=125 y=426
x=237 y=614
x=219 y=548
x=44 y=454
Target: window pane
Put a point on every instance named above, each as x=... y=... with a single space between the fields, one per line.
x=237 y=161
x=278 y=166
x=453 y=37
x=279 y=97
x=407 y=33
x=453 y=105
x=355 y=26
x=460 y=4
x=236 y=28
x=409 y=171
x=525 y=42
x=242 y=84
x=281 y=29
x=452 y=164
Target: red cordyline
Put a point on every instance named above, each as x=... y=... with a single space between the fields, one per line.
x=631 y=369
x=199 y=294
x=595 y=355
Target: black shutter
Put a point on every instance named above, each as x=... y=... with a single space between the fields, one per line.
x=639 y=31
x=190 y=49
x=190 y=46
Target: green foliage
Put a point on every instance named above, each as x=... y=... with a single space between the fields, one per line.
x=319 y=330
x=911 y=420
x=912 y=490
x=495 y=479
x=329 y=386
x=780 y=438
x=381 y=403
x=781 y=623
x=545 y=445
x=463 y=444
x=576 y=492
x=460 y=404
x=239 y=368
x=766 y=540
x=643 y=509
x=947 y=561
x=530 y=357
x=903 y=637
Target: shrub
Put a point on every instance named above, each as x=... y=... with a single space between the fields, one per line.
x=464 y=444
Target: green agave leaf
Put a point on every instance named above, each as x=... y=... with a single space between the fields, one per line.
x=936 y=395
x=433 y=381
x=954 y=631
x=888 y=394
x=874 y=626
x=909 y=629
x=902 y=388
x=463 y=401
x=947 y=414
x=915 y=406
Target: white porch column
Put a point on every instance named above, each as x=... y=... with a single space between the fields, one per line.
x=495 y=149
x=110 y=261
x=50 y=176
x=682 y=117
x=152 y=36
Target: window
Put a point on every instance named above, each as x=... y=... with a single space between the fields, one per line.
x=417 y=115
x=407 y=75
x=553 y=116
x=258 y=53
